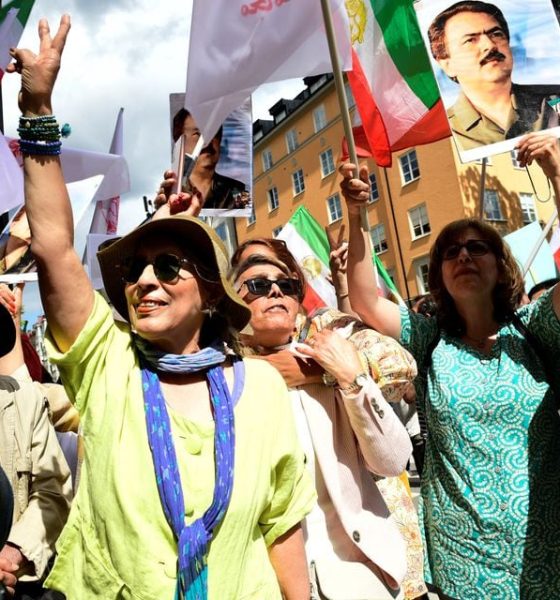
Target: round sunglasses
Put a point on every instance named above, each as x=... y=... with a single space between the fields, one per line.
x=261 y=286
x=473 y=247
x=166 y=267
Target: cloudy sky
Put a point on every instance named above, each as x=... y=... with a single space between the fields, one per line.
x=129 y=53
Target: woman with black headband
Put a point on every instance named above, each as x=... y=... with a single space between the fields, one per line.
x=193 y=484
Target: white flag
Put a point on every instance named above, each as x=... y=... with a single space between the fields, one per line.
x=11 y=178
x=235 y=46
x=106 y=216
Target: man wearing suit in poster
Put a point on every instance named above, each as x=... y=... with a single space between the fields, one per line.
x=470 y=40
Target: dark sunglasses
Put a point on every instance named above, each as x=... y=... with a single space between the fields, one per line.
x=166 y=267
x=261 y=286
x=473 y=247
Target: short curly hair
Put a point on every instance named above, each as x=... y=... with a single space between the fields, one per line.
x=508 y=291
x=436 y=31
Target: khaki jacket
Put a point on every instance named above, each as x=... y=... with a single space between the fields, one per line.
x=39 y=475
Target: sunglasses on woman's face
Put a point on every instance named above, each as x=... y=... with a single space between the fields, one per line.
x=261 y=286
x=166 y=267
x=473 y=247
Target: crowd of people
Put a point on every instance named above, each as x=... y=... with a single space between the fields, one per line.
x=225 y=444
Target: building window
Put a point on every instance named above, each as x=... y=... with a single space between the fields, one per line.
x=492 y=209
x=276 y=231
x=378 y=238
x=419 y=222
x=267 y=160
x=298 y=182
x=272 y=195
x=528 y=210
x=349 y=96
x=374 y=189
x=280 y=116
x=409 y=166
x=514 y=160
x=334 y=207
x=319 y=118
x=327 y=162
x=421 y=269
x=258 y=135
x=252 y=217
x=291 y=140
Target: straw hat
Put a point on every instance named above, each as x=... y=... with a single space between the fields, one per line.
x=199 y=240
x=7 y=331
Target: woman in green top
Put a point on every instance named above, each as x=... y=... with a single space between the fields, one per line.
x=193 y=484
x=490 y=506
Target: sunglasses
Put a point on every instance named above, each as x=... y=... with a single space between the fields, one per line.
x=261 y=286
x=473 y=247
x=166 y=267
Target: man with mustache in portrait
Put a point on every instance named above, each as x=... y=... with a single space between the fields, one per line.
x=214 y=190
x=471 y=42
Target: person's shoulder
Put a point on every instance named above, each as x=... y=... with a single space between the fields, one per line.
x=544 y=90
x=228 y=182
x=257 y=367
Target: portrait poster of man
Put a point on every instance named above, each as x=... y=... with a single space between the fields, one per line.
x=222 y=175
x=496 y=65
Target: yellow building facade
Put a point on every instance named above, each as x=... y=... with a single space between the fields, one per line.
x=296 y=159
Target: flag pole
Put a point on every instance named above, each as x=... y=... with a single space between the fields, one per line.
x=538 y=245
x=341 y=94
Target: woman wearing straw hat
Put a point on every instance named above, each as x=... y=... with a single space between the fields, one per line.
x=193 y=484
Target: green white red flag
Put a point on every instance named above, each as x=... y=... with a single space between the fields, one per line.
x=391 y=80
x=308 y=242
x=13 y=17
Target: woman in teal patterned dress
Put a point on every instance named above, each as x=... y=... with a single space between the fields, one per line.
x=490 y=507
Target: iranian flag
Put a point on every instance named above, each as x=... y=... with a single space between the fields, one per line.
x=392 y=81
x=13 y=17
x=308 y=242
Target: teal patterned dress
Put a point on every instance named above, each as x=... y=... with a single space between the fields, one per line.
x=490 y=506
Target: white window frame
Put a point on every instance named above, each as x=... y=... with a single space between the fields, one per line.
x=291 y=140
x=421 y=266
x=252 y=218
x=272 y=198
x=349 y=96
x=327 y=163
x=267 y=161
x=378 y=238
x=319 y=118
x=494 y=197
x=514 y=161
x=528 y=208
x=298 y=182
x=406 y=163
x=418 y=218
x=334 y=208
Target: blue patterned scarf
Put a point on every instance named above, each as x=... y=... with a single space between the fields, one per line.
x=193 y=540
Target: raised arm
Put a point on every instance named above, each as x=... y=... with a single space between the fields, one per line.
x=379 y=313
x=545 y=150
x=66 y=292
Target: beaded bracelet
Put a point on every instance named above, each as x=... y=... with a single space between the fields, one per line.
x=41 y=135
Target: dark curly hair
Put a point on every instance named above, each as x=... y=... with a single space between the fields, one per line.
x=508 y=291
x=436 y=32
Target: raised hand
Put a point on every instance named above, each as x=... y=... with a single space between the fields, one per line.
x=356 y=191
x=39 y=71
x=543 y=149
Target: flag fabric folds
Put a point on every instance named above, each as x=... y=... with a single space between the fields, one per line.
x=308 y=242
x=11 y=178
x=555 y=247
x=13 y=17
x=237 y=46
x=106 y=216
x=392 y=81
